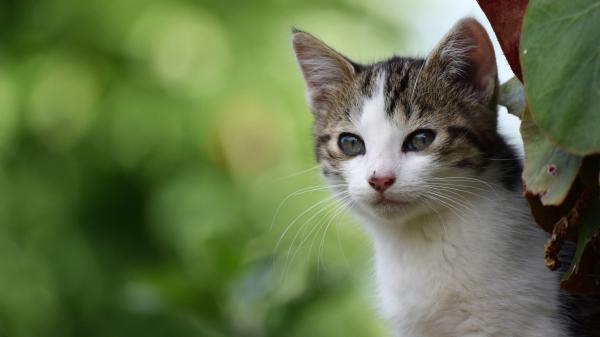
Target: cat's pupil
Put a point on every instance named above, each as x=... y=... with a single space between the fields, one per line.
x=351 y=144
x=419 y=140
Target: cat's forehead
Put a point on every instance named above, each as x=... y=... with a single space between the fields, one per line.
x=403 y=89
x=376 y=124
x=392 y=85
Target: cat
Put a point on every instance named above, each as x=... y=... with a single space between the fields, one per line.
x=414 y=144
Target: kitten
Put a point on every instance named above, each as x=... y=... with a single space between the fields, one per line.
x=414 y=143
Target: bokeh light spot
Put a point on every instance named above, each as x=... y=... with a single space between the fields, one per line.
x=8 y=110
x=61 y=102
x=187 y=49
x=249 y=134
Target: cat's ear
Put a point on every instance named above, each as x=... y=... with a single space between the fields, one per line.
x=325 y=71
x=466 y=55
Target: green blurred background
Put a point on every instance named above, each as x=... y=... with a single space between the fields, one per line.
x=146 y=147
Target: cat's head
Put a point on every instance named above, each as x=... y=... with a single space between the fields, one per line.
x=389 y=135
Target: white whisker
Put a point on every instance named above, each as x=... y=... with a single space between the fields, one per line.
x=412 y=94
x=448 y=205
x=464 y=179
x=327 y=209
x=332 y=208
x=456 y=202
x=299 y=192
x=340 y=211
x=452 y=192
x=302 y=214
x=297 y=173
x=457 y=184
x=453 y=188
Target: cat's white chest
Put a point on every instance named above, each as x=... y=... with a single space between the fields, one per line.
x=465 y=282
x=434 y=306
x=422 y=295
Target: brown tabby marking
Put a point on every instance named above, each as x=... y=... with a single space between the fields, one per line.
x=435 y=93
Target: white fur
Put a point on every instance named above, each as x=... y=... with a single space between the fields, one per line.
x=463 y=265
x=384 y=154
x=508 y=127
x=478 y=275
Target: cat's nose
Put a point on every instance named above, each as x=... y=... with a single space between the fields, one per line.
x=381 y=184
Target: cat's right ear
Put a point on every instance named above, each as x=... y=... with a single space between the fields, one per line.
x=325 y=71
x=466 y=55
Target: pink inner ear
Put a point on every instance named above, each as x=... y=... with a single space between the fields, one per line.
x=324 y=69
x=481 y=56
x=466 y=54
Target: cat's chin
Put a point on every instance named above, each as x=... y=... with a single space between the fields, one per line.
x=388 y=209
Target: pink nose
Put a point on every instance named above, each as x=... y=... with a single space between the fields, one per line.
x=381 y=184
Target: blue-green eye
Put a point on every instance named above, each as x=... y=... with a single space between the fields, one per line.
x=418 y=140
x=351 y=144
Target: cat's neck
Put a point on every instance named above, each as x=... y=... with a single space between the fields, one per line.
x=462 y=224
x=411 y=234
x=428 y=259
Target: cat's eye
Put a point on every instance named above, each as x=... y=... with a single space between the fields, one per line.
x=352 y=145
x=418 y=140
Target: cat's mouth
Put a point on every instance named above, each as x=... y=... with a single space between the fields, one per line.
x=388 y=207
x=384 y=201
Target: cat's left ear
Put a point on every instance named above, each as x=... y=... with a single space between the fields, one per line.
x=466 y=55
x=325 y=71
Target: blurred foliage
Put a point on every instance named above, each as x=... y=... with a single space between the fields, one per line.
x=144 y=148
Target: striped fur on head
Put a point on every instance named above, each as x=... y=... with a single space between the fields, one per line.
x=452 y=91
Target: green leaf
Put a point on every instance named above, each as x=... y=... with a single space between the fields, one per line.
x=549 y=171
x=560 y=55
x=512 y=96
x=588 y=226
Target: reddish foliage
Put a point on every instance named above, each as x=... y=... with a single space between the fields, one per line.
x=506 y=17
x=547 y=216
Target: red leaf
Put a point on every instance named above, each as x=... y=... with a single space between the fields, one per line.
x=506 y=17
